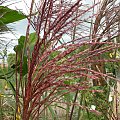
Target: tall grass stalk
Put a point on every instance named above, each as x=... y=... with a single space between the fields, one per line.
x=82 y=60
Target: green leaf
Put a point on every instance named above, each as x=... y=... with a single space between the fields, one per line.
x=22 y=47
x=21 y=43
x=24 y=66
x=11 y=59
x=8 y=15
x=33 y=38
x=8 y=81
x=52 y=111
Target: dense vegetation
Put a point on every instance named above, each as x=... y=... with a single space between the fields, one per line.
x=68 y=68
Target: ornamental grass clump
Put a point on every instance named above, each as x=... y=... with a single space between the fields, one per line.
x=71 y=49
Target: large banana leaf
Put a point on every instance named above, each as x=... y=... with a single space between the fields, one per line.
x=8 y=15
